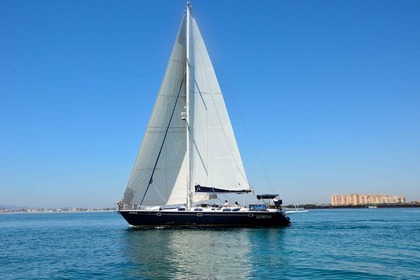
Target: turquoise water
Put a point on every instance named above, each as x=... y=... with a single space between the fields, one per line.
x=321 y=244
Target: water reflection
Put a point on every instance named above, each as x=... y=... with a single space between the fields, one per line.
x=201 y=253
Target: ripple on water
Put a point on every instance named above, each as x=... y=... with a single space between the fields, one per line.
x=321 y=244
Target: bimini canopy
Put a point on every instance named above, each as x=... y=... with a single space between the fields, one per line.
x=267 y=196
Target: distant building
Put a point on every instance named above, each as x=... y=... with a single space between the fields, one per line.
x=364 y=199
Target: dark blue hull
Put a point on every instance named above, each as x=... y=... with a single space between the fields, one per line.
x=150 y=219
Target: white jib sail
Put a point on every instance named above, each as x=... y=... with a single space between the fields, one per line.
x=216 y=161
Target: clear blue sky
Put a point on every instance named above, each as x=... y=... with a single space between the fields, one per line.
x=329 y=92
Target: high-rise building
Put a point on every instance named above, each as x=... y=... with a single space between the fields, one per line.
x=364 y=199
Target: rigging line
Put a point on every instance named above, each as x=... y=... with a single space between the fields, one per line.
x=253 y=145
x=163 y=142
x=157 y=191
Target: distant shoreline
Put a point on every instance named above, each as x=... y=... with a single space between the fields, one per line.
x=313 y=206
x=28 y=211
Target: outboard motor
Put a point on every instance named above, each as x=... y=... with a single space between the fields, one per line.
x=277 y=203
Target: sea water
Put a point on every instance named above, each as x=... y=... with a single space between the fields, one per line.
x=320 y=244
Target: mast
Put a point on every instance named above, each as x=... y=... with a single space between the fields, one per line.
x=187 y=107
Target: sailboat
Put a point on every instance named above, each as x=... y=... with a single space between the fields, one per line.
x=189 y=157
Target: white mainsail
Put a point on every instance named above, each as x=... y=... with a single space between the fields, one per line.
x=162 y=151
x=163 y=165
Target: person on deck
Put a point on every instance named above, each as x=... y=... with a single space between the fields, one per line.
x=226 y=204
